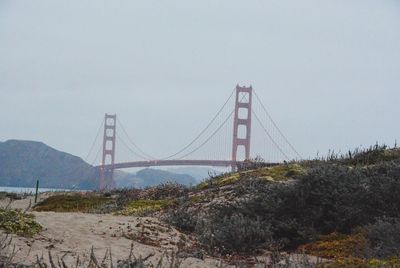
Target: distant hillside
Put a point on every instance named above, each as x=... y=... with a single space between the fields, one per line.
x=23 y=162
x=199 y=173
x=150 y=177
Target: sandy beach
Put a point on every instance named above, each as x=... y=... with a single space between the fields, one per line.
x=70 y=235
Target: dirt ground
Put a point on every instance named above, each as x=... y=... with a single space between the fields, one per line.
x=69 y=235
x=75 y=234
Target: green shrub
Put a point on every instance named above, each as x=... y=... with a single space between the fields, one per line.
x=233 y=232
x=17 y=222
x=324 y=197
x=73 y=203
x=169 y=190
x=144 y=207
x=12 y=196
x=337 y=246
x=181 y=216
x=384 y=238
x=361 y=156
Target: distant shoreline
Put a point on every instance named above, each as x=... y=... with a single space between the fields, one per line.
x=31 y=190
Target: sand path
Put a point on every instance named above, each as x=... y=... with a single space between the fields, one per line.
x=75 y=234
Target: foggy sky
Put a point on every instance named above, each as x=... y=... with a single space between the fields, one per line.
x=328 y=71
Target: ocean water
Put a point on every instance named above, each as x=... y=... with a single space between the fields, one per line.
x=27 y=190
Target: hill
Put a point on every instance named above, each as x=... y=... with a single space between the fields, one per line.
x=23 y=162
x=199 y=173
x=151 y=177
x=344 y=208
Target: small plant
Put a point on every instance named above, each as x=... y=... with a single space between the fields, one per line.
x=17 y=222
x=337 y=245
x=11 y=196
x=144 y=207
x=168 y=259
x=233 y=233
x=279 y=173
x=255 y=163
x=181 y=216
x=384 y=238
x=267 y=174
x=169 y=190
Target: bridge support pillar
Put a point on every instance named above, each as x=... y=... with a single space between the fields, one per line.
x=107 y=173
x=242 y=124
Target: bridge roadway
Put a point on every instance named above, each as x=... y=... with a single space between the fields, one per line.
x=152 y=163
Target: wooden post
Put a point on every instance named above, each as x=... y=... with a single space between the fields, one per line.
x=37 y=189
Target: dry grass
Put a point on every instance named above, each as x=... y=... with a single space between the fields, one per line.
x=277 y=173
x=337 y=245
x=73 y=203
x=144 y=207
x=346 y=251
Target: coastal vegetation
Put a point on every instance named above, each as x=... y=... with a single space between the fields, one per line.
x=15 y=221
x=342 y=209
x=302 y=207
x=73 y=202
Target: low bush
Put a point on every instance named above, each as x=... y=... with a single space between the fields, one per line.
x=376 y=245
x=373 y=155
x=181 y=215
x=250 y=164
x=126 y=195
x=12 y=196
x=337 y=246
x=17 y=222
x=144 y=207
x=233 y=232
x=383 y=238
x=267 y=174
x=73 y=203
x=325 y=198
x=169 y=190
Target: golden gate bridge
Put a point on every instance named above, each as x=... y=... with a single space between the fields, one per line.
x=271 y=144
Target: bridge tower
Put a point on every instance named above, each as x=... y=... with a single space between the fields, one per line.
x=107 y=174
x=242 y=123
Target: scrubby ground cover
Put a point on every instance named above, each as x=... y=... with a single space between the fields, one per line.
x=342 y=208
x=144 y=207
x=275 y=173
x=301 y=203
x=74 y=202
x=16 y=221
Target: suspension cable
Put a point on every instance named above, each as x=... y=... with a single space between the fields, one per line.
x=130 y=149
x=215 y=132
x=94 y=141
x=209 y=138
x=204 y=130
x=145 y=155
x=269 y=135
x=276 y=126
x=96 y=156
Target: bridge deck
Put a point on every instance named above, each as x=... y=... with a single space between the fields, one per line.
x=152 y=163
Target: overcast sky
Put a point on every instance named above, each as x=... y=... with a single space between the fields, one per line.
x=328 y=71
